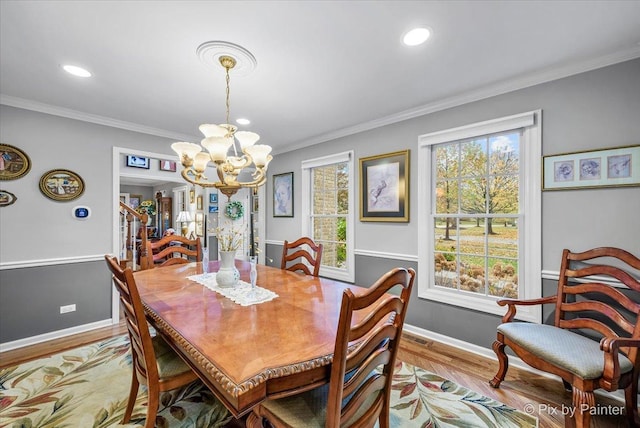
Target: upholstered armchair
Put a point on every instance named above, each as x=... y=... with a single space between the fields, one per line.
x=586 y=302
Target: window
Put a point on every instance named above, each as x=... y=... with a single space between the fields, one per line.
x=328 y=214
x=480 y=221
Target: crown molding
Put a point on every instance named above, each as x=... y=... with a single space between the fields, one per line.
x=91 y=118
x=521 y=82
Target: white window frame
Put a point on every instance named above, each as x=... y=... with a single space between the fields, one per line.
x=348 y=274
x=530 y=251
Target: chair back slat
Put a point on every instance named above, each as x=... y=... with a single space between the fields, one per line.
x=586 y=300
x=173 y=249
x=360 y=383
x=141 y=344
x=611 y=292
x=293 y=251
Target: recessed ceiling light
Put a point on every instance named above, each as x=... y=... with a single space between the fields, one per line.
x=417 y=36
x=76 y=71
x=243 y=121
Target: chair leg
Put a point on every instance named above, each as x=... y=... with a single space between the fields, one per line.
x=254 y=421
x=498 y=348
x=133 y=394
x=152 y=406
x=583 y=402
x=631 y=404
x=383 y=419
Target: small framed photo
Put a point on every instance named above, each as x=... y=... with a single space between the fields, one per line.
x=134 y=201
x=213 y=208
x=213 y=198
x=199 y=224
x=167 y=165
x=283 y=195
x=384 y=187
x=192 y=196
x=199 y=202
x=137 y=162
x=615 y=167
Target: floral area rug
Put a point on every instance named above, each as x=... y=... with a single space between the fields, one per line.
x=89 y=386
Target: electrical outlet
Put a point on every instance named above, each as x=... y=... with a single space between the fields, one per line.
x=67 y=308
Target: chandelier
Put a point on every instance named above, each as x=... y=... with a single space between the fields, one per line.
x=218 y=141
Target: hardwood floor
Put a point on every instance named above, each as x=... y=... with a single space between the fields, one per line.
x=521 y=389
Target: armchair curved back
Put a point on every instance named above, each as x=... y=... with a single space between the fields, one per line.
x=587 y=300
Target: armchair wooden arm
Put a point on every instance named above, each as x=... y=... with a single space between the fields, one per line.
x=513 y=303
x=611 y=347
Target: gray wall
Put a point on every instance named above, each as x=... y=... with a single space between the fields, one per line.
x=36 y=231
x=592 y=110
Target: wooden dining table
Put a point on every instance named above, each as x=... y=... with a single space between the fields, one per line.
x=246 y=354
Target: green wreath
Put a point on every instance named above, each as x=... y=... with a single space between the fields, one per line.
x=234 y=210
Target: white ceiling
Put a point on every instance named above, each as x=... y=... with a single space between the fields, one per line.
x=324 y=68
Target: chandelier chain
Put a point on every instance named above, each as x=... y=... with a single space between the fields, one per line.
x=228 y=92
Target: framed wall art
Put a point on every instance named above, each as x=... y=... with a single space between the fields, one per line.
x=615 y=167
x=199 y=202
x=7 y=198
x=137 y=162
x=199 y=228
x=167 y=165
x=384 y=187
x=283 y=195
x=213 y=198
x=134 y=201
x=61 y=185
x=14 y=163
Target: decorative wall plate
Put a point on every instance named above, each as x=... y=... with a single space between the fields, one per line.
x=61 y=185
x=14 y=163
x=6 y=198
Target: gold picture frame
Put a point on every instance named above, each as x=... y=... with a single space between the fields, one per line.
x=61 y=185
x=384 y=187
x=613 y=167
x=7 y=198
x=199 y=228
x=14 y=163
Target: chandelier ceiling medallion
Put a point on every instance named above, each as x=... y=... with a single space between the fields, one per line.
x=223 y=141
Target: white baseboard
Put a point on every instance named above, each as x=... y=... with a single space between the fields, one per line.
x=20 y=343
x=475 y=349
x=488 y=353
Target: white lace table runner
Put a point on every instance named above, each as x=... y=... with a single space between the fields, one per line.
x=240 y=293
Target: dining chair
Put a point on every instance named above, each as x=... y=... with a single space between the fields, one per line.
x=360 y=382
x=172 y=250
x=589 y=303
x=155 y=364
x=292 y=251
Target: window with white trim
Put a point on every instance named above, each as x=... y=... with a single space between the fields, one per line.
x=480 y=221
x=328 y=214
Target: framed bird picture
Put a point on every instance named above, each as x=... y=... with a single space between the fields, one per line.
x=384 y=187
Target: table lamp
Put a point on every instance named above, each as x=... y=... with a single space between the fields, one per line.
x=184 y=217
